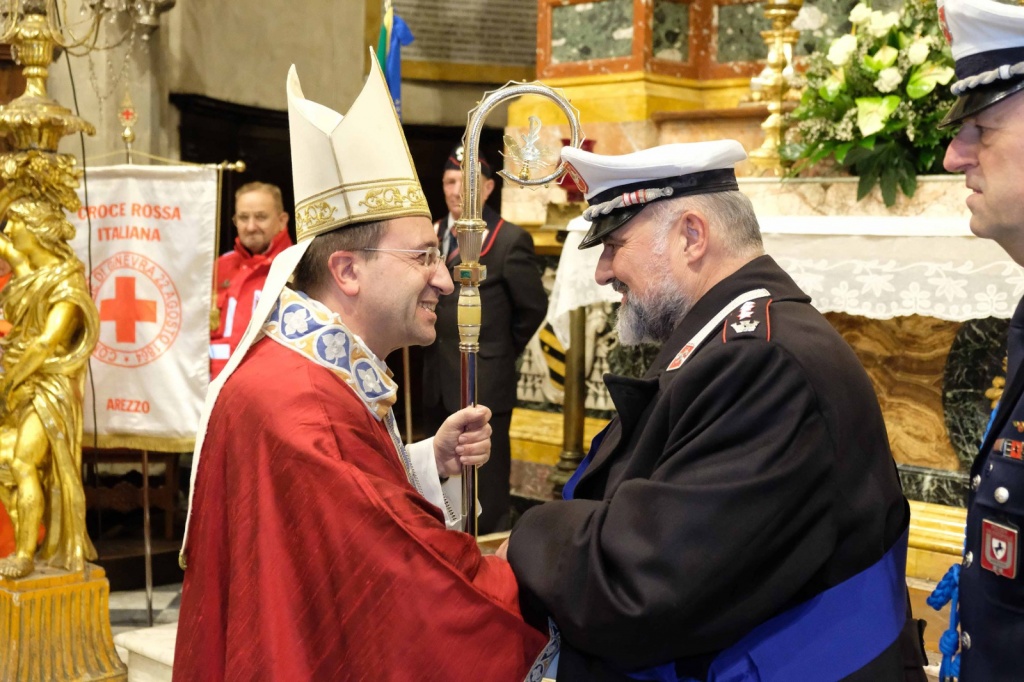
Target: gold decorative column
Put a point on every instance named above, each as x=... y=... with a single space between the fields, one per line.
x=776 y=82
x=574 y=415
x=54 y=621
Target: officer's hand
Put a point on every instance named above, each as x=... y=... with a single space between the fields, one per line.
x=463 y=439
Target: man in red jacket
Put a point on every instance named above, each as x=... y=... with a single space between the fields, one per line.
x=262 y=226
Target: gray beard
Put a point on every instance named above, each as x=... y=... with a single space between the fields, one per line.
x=652 y=320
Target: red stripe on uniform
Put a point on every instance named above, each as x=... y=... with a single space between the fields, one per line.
x=768 y=318
x=494 y=235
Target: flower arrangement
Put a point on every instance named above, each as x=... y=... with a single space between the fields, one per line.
x=873 y=101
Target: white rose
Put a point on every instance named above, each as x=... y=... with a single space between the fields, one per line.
x=809 y=18
x=860 y=13
x=880 y=23
x=888 y=79
x=918 y=51
x=842 y=49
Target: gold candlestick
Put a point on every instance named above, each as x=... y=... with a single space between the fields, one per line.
x=45 y=355
x=777 y=83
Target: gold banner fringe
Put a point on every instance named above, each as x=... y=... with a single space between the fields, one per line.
x=137 y=442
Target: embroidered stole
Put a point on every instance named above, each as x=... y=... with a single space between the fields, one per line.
x=312 y=330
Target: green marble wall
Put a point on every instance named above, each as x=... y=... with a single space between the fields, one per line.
x=739 y=37
x=604 y=29
x=739 y=27
x=591 y=30
x=671 y=31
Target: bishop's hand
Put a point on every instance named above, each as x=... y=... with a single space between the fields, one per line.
x=463 y=439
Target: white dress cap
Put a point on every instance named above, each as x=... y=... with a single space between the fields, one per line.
x=987 y=42
x=601 y=173
x=618 y=187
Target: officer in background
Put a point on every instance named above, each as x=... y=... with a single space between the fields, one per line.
x=741 y=517
x=987 y=40
x=514 y=305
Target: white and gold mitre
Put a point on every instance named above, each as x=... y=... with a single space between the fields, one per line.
x=350 y=169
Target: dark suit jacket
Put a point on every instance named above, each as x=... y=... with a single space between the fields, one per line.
x=514 y=305
x=726 y=491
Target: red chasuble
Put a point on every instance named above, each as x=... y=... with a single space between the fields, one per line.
x=311 y=557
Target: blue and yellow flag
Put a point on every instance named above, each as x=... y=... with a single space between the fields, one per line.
x=394 y=33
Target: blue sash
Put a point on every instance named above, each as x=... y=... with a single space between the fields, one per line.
x=570 y=486
x=832 y=635
x=826 y=638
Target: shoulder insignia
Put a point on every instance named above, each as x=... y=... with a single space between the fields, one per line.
x=750 y=319
x=680 y=358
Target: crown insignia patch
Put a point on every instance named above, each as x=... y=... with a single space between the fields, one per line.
x=745 y=326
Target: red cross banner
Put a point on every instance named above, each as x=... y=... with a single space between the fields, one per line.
x=146 y=236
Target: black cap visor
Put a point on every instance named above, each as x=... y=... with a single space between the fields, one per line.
x=978 y=99
x=702 y=182
x=604 y=225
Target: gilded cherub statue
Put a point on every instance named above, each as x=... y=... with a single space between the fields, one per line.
x=45 y=355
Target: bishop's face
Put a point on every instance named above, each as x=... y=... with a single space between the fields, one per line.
x=402 y=291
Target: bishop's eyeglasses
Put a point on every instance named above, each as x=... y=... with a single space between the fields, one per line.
x=429 y=257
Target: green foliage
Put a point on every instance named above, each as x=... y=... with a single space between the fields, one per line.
x=632 y=361
x=873 y=101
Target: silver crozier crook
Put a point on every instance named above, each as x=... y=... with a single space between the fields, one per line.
x=470 y=237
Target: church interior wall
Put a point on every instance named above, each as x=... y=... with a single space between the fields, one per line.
x=243 y=61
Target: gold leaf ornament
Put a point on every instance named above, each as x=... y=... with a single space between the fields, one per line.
x=314 y=215
x=389 y=198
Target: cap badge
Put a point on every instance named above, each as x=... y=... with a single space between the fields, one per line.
x=576 y=177
x=945 y=26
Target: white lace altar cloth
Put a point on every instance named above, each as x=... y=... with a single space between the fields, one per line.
x=873 y=266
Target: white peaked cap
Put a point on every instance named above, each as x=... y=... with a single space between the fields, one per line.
x=350 y=169
x=618 y=187
x=987 y=42
x=977 y=26
x=602 y=173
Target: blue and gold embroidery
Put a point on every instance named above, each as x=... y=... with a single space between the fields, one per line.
x=309 y=328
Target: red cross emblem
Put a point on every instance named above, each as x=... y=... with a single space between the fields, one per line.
x=125 y=311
